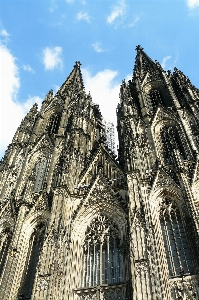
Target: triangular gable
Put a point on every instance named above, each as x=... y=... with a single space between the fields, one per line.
x=43 y=143
x=100 y=199
x=102 y=154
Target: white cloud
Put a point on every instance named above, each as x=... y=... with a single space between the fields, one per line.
x=103 y=91
x=164 y=61
x=69 y=1
x=96 y=46
x=28 y=69
x=26 y=106
x=118 y=11
x=192 y=3
x=11 y=112
x=83 y=16
x=52 y=58
x=5 y=35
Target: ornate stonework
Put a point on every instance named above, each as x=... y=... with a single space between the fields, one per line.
x=78 y=222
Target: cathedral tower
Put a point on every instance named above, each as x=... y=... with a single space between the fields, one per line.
x=78 y=222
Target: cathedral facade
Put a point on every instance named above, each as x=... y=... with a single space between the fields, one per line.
x=79 y=222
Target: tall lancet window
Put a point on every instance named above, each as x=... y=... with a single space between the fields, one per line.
x=35 y=246
x=40 y=170
x=175 y=240
x=53 y=124
x=102 y=253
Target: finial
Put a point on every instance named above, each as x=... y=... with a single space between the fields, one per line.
x=139 y=48
x=78 y=64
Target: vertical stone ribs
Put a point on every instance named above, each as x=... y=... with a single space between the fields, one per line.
x=77 y=222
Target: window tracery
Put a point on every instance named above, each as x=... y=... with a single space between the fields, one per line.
x=175 y=240
x=40 y=170
x=53 y=124
x=103 y=259
x=35 y=246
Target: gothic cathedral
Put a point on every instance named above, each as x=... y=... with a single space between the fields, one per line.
x=79 y=222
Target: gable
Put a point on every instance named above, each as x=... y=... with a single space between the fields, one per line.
x=102 y=163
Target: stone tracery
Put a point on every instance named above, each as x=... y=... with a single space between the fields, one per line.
x=102 y=253
x=175 y=240
x=104 y=218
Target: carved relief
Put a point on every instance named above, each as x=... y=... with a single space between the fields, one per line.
x=42 y=283
x=141 y=266
x=185 y=289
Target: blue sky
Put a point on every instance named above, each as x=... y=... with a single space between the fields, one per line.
x=42 y=39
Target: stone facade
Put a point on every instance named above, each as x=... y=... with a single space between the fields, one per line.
x=78 y=222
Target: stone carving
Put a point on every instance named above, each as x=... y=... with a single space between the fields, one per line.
x=43 y=283
x=185 y=289
x=141 y=266
x=83 y=181
x=101 y=229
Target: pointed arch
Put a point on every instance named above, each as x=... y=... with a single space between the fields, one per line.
x=169 y=137
x=35 y=167
x=40 y=171
x=101 y=228
x=102 y=256
x=170 y=211
x=34 y=248
x=53 y=123
x=35 y=226
x=175 y=239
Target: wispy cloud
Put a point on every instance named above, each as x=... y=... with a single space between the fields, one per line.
x=96 y=46
x=117 y=11
x=83 y=16
x=53 y=6
x=52 y=58
x=133 y=23
x=28 y=69
x=164 y=61
x=5 y=35
x=192 y=3
x=70 y=1
x=11 y=109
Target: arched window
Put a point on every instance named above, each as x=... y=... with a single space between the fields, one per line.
x=35 y=246
x=103 y=261
x=175 y=240
x=5 y=239
x=53 y=124
x=40 y=170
